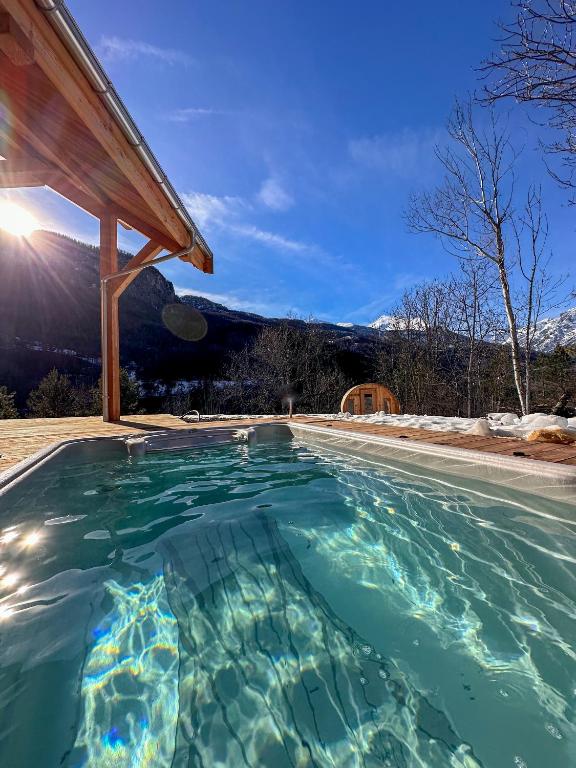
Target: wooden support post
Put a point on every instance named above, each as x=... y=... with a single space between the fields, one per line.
x=110 y=327
x=146 y=253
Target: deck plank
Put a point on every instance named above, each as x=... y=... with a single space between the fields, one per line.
x=507 y=446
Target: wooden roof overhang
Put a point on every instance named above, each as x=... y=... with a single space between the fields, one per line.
x=63 y=125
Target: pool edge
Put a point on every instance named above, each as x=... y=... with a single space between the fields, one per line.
x=551 y=480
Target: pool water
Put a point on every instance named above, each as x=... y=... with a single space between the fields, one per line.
x=279 y=607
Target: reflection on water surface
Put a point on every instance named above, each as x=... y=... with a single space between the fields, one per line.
x=276 y=607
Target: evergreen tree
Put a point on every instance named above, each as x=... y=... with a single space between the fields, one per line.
x=129 y=394
x=555 y=376
x=54 y=397
x=8 y=409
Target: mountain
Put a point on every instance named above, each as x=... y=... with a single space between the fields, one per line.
x=389 y=323
x=549 y=334
x=382 y=323
x=555 y=331
x=50 y=317
x=202 y=303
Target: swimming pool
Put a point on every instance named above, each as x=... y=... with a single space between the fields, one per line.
x=282 y=605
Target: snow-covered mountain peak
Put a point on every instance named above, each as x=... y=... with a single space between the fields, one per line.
x=550 y=333
x=383 y=323
x=554 y=331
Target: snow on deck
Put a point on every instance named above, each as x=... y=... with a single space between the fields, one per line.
x=500 y=424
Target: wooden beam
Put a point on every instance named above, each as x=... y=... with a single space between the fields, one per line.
x=14 y=43
x=57 y=63
x=78 y=182
x=147 y=253
x=26 y=172
x=62 y=184
x=83 y=160
x=110 y=326
x=66 y=189
x=31 y=134
x=143 y=226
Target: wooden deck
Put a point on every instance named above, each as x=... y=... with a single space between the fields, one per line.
x=505 y=446
x=20 y=438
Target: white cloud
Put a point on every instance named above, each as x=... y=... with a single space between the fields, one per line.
x=226 y=214
x=405 y=154
x=369 y=311
x=274 y=196
x=270 y=238
x=228 y=299
x=122 y=49
x=211 y=210
x=380 y=306
x=188 y=114
x=405 y=280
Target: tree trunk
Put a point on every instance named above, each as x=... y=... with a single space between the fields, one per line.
x=560 y=407
x=469 y=383
x=514 y=345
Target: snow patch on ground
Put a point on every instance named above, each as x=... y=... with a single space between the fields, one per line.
x=497 y=424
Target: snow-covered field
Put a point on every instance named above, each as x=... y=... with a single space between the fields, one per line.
x=498 y=424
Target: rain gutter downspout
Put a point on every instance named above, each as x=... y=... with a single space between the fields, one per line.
x=104 y=286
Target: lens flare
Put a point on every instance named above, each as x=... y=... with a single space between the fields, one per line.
x=185 y=322
x=16 y=220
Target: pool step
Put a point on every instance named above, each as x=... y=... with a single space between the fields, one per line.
x=184 y=439
x=270 y=675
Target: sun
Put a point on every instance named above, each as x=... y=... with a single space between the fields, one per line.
x=16 y=220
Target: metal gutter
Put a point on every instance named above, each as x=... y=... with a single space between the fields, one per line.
x=70 y=33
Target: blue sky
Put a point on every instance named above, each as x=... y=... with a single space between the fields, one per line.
x=295 y=132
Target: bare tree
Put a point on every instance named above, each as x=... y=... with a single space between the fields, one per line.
x=472 y=211
x=419 y=357
x=292 y=359
x=538 y=286
x=437 y=355
x=536 y=63
x=474 y=318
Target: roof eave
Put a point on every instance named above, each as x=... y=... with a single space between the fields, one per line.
x=67 y=29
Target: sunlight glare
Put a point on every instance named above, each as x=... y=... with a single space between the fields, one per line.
x=31 y=539
x=10 y=580
x=8 y=535
x=16 y=220
x=5 y=612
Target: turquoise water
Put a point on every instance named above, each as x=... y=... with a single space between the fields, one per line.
x=277 y=607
